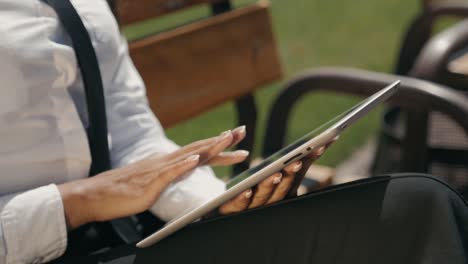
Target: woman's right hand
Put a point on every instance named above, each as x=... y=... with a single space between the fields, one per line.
x=135 y=188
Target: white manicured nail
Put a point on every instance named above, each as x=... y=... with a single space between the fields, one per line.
x=298 y=167
x=241 y=130
x=225 y=134
x=248 y=194
x=321 y=151
x=278 y=179
x=193 y=158
x=242 y=153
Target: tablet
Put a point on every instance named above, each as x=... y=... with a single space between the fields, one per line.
x=276 y=162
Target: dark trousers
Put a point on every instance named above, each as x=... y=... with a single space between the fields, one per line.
x=400 y=219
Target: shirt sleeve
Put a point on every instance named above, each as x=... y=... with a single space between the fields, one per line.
x=27 y=217
x=136 y=133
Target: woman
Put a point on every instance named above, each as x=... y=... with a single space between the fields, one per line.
x=45 y=160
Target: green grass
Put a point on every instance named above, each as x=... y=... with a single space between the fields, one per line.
x=311 y=33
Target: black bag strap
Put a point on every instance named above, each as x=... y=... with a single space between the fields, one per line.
x=88 y=63
x=92 y=236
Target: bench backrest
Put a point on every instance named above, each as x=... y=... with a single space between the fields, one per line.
x=197 y=66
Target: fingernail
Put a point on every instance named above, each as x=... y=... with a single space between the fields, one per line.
x=278 y=179
x=298 y=167
x=248 y=194
x=242 y=153
x=240 y=130
x=321 y=151
x=193 y=158
x=225 y=134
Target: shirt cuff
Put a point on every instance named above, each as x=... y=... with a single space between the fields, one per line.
x=192 y=191
x=34 y=226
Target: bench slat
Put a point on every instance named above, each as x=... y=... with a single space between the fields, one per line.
x=191 y=69
x=132 y=11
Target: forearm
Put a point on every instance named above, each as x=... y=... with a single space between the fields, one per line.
x=24 y=217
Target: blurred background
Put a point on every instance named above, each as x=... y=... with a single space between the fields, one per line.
x=310 y=33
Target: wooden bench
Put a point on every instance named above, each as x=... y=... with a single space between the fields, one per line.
x=195 y=67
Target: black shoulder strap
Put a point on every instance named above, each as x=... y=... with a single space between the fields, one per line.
x=122 y=229
x=88 y=63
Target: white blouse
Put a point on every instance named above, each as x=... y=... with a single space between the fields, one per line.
x=42 y=125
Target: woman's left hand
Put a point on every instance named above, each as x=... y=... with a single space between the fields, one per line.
x=274 y=188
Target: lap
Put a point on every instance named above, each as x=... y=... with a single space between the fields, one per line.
x=384 y=219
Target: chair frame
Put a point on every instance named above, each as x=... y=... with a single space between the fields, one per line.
x=416 y=97
x=420 y=31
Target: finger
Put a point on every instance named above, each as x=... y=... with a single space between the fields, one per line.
x=196 y=146
x=306 y=163
x=238 y=204
x=265 y=189
x=200 y=146
x=223 y=142
x=321 y=150
x=228 y=158
x=334 y=140
x=239 y=134
x=160 y=181
x=175 y=170
x=316 y=154
x=283 y=187
x=205 y=148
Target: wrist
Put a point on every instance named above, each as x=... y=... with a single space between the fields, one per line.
x=76 y=203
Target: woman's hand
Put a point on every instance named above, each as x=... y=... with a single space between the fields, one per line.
x=274 y=188
x=135 y=188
